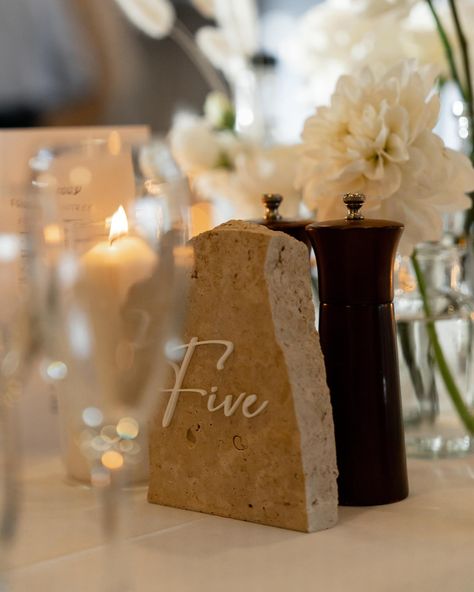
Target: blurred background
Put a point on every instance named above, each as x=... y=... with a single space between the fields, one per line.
x=80 y=62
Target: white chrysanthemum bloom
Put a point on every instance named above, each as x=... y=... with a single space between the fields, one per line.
x=236 y=37
x=373 y=8
x=324 y=46
x=238 y=19
x=256 y=171
x=154 y=17
x=217 y=49
x=226 y=169
x=219 y=111
x=323 y=32
x=194 y=144
x=376 y=137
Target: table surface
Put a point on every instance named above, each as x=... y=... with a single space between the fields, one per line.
x=424 y=543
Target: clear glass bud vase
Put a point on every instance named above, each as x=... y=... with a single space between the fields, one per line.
x=254 y=88
x=433 y=426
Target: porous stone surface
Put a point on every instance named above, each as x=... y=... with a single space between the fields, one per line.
x=250 y=286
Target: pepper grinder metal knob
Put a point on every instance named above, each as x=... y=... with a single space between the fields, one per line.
x=354 y=202
x=272 y=202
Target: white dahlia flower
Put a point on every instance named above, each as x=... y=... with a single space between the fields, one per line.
x=376 y=137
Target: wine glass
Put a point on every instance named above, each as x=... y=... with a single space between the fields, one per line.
x=111 y=229
x=17 y=349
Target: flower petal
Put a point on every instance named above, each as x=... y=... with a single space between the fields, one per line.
x=216 y=47
x=205 y=7
x=154 y=17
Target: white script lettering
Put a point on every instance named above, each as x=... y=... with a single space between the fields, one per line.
x=228 y=404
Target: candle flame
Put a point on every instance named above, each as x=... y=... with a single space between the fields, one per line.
x=118 y=224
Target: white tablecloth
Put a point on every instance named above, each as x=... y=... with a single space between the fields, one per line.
x=423 y=544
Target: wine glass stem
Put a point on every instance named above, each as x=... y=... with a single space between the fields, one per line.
x=116 y=573
x=9 y=495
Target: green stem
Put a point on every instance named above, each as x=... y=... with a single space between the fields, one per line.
x=448 y=50
x=466 y=417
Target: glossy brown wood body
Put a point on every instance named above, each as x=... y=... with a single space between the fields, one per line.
x=358 y=338
x=360 y=350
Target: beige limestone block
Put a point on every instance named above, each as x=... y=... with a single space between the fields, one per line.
x=251 y=287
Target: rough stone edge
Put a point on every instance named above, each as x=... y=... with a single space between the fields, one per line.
x=324 y=515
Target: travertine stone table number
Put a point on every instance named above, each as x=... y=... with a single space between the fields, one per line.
x=245 y=428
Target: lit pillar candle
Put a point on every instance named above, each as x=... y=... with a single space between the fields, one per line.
x=112 y=267
x=109 y=271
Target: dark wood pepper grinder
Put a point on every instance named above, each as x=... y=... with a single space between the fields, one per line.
x=355 y=260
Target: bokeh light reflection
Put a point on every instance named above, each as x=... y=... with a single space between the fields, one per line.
x=128 y=428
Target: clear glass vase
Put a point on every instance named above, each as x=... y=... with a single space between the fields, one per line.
x=433 y=427
x=254 y=92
